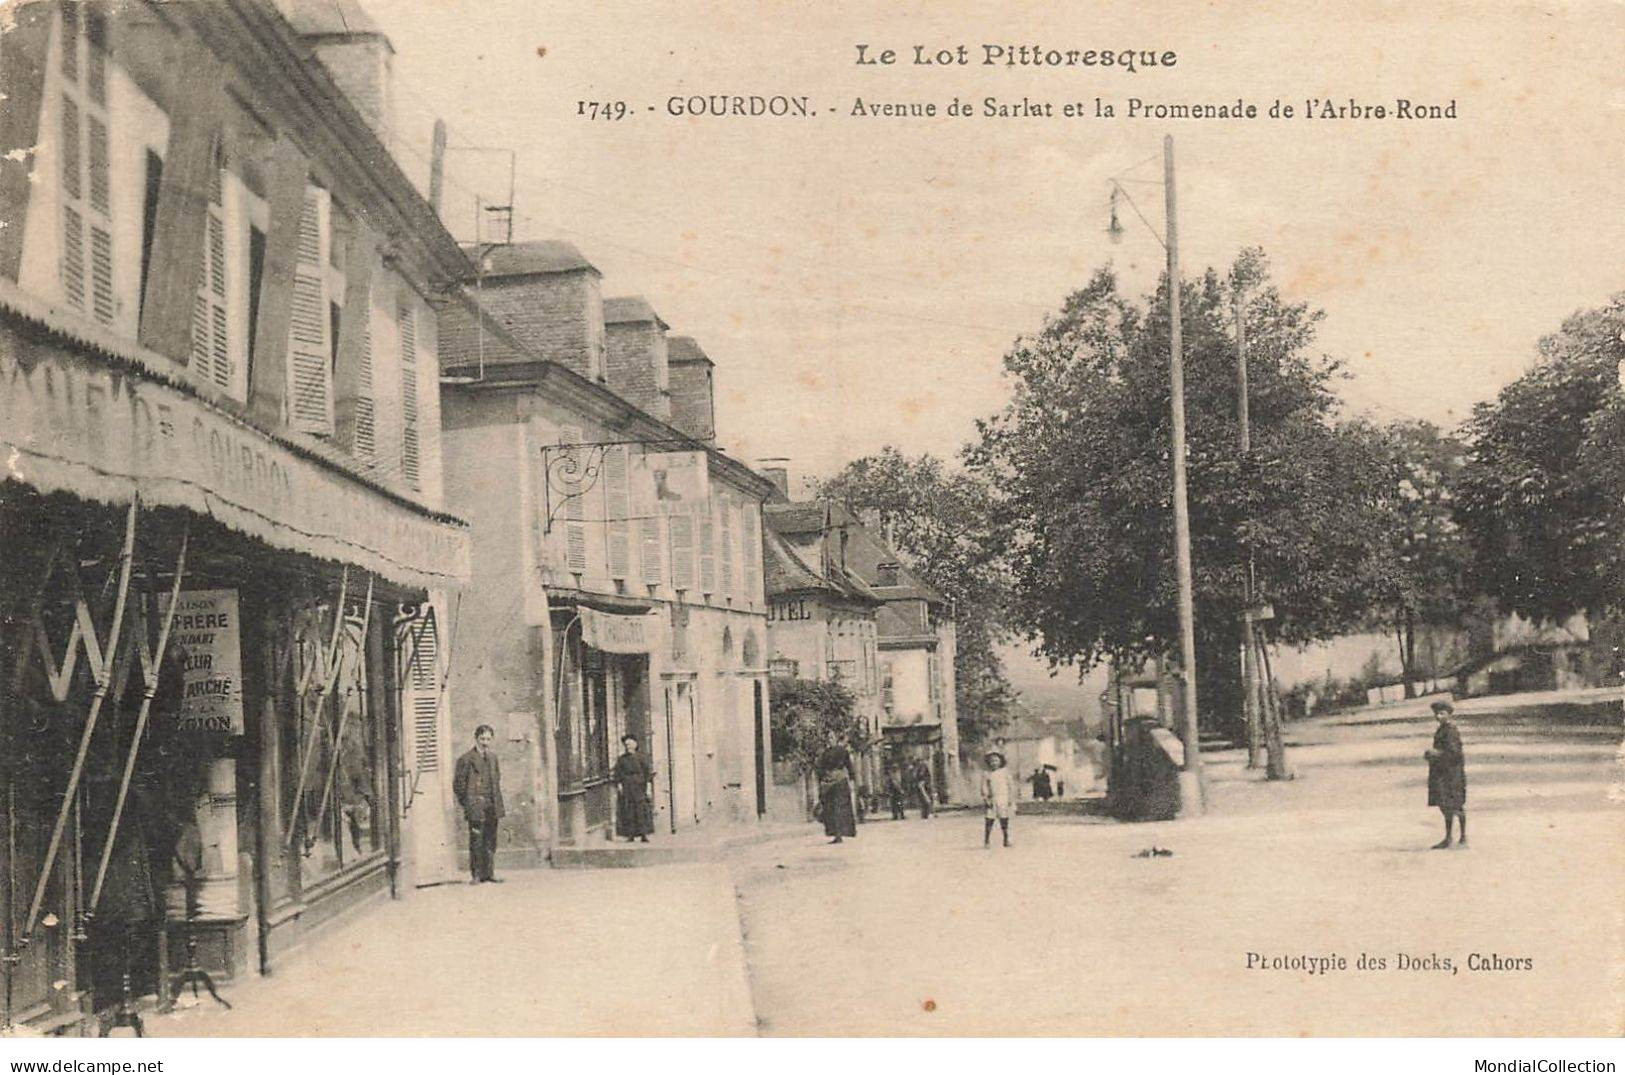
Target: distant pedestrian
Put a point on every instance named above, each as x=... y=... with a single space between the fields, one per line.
x=634 y=805
x=998 y=797
x=895 y=795
x=1447 y=774
x=478 y=788
x=1060 y=788
x=835 y=780
x=1041 y=785
x=922 y=789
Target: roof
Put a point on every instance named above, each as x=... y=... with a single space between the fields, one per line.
x=684 y=350
x=866 y=552
x=630 y=309
x=330 y=17
x=532 y=258
x=806 y=517
x=788 y=571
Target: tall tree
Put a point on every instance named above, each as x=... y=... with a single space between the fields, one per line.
x=1081 y=459
x=941 y=522
x=1543 y=491
x=1424 y=576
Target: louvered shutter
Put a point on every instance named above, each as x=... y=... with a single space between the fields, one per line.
x=726 y=511
x=211 y=342
x=70 y=163
x=310 y=401
x=617 y=530
x=708 y=551
x=366 y=411
x=575 y=527
x=70 y=42
x=682 y=551
x=406 y=319
x=649 y=550
x=750 y=543
x=424 y=677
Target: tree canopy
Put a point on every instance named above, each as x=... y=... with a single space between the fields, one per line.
x=1081 y=461
x=1543 y=491
x=942 y=522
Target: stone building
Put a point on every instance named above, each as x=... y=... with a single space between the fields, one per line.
x=222 y=512
x=617 y=572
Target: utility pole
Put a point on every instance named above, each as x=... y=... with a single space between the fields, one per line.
x=1249 y=670
x=1192 y=789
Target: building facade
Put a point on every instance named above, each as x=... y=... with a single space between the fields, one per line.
x=821 y=620
x=222 y=508
x=617 y=571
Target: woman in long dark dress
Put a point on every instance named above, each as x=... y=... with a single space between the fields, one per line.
x=634 y=810
x=1447 y=774
x=835 y=779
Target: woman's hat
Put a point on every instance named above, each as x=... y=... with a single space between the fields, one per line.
x=990 y=755
x=1444 y=706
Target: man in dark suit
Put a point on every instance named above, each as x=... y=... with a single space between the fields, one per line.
x=478 y=787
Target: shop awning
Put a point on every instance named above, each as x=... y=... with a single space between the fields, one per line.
x=88 y=413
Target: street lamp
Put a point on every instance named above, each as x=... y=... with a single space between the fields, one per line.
x=1192 y=787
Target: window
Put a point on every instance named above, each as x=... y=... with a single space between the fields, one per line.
x=887 y=694
x=727 y=510
x=649 y=550
x=149 y=215
x=256 y=276
x=783 y=668
x=751 y=552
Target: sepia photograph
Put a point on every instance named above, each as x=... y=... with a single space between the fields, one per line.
x=725 y=520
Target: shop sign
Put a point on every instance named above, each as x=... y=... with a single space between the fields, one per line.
x=68 y=424
x=205 y=634
x=670 y=483
x=615 y=634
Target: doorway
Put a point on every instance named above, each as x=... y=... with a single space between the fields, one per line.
x=759 y=756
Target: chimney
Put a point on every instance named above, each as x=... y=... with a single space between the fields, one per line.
x=777 y=471
x=550 y=298
x=635 y=354
x=355 y=51
x=693 y=405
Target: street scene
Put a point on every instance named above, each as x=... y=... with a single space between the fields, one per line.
x=478 y=568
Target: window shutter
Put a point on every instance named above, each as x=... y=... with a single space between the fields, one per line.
x=70 y=42
x=211 y=343
x=649 y=550
x=423 y=679
x=708 y=552
x=96 y=35
x=751 y=552
x=309 y=353
x=73 y=222
x=101 y=274
x=617 y=529
x=726 y=508
x=366 y=412
x=406 y=318
x=682 y=552
x=575 y=526
x=100 y=195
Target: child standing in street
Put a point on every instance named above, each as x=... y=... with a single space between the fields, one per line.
x=998 y=797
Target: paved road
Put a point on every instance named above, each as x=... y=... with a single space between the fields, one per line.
x=913 y=928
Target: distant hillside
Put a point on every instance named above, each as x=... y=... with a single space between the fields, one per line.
x=1058 y=697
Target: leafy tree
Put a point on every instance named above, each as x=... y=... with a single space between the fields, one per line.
x=1543 y=491
x=942 y=523
x=1081 y=459
x=811 y=715
x=1424 y=575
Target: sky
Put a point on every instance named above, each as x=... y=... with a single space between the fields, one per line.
x=858 y=280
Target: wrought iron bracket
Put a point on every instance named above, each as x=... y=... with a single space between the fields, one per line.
x=571 y=471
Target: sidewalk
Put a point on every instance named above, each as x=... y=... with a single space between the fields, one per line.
x=549 y=952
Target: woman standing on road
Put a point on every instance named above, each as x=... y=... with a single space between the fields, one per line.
x=1447 y=774
x=998 y=797
x=835 y=779
x=634 y=808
